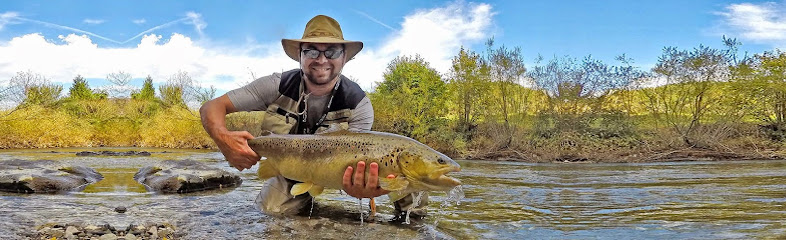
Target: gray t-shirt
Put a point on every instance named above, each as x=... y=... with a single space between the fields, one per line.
x=260 y=93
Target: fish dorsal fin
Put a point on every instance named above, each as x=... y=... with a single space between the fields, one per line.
x=265 y=133
x=315 y=190
x=300 y=188
x=393 y=184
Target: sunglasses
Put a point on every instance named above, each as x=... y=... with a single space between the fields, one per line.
x=329 y=54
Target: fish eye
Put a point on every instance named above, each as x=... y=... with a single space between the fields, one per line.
x=441 y=161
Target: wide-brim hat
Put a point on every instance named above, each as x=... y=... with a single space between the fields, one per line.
x=321 y=29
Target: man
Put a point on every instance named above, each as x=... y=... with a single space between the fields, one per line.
x=301 y=101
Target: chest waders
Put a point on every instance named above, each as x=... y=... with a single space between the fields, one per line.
x=288 y=113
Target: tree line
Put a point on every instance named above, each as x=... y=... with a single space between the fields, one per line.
x=488 y=105
x=117 y=115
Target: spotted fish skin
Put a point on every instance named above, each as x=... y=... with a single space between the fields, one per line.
x=319 y=160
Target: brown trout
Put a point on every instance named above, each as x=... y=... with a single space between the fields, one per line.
x=318 y=161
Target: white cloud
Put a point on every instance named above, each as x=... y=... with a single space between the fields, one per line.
x=196 y=20
x=434 y=34
x=77 y=54
x=7 y=18
x=93 y=21
x=761 y=23
x=139 y=21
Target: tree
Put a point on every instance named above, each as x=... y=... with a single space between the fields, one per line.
x=147 y=92
x=29 y=88
x=469 y=84
x=761 y=81
x=413 y=95
x=686 y=96
x=181 y=89
x=121 y=82
x=507 y=69
x=80 y=90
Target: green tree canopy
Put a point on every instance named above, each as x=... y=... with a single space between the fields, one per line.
x=147 y=93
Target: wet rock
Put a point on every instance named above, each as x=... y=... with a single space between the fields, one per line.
x=108 y=236
x=71 y=231
x=136 y=229
x=112 y=153
x=130 y=236
x=44 y=176
x=185 y=176
x=153 y=232
x=120 y=209
x=106 y=231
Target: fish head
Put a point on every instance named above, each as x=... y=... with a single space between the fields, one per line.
x=426 y=168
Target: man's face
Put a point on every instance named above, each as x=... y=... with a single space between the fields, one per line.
x=321 y=70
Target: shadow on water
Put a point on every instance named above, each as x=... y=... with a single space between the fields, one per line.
x=503 y=200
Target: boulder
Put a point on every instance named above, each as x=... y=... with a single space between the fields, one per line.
x=185 y=176
x=44 y=176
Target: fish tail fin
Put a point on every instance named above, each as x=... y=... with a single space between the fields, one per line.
x=266 y=170
x=300 y=188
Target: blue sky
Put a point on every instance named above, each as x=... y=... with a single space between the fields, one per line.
x=221 y=43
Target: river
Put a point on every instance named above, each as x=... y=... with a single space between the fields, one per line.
x=502 y=200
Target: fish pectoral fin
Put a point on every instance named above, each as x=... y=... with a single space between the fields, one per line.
x=393 y=184
x=266 y=170
x=315 y=190
x=300 y=188
x=398 y=195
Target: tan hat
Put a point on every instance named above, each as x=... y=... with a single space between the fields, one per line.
x=321 y=29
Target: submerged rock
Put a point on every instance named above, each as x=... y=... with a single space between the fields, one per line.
x=44 y=176
x=185 y=176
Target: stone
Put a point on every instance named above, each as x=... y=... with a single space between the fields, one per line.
x=71 y=230
x=165 y=232
x=185 y=176
x=153 y=232
x=130 y=236
x=44 y=176
x=108 y=236
x=120 y=209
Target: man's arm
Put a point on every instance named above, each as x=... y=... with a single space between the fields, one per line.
x=233 y=144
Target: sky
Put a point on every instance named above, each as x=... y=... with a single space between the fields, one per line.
x=225 y=44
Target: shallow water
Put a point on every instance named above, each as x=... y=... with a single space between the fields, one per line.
x=503 y=200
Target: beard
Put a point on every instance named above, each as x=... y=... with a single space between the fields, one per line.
x=317 y=75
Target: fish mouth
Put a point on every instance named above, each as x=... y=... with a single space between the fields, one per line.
x=441 y=181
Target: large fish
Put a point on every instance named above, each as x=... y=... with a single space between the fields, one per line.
x=319 y=161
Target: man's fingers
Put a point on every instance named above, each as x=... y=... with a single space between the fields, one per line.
x=373 y=173
x=347 y=180
x=246 y=135
x=360 y=174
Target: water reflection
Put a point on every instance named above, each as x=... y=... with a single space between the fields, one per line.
x=116 y=180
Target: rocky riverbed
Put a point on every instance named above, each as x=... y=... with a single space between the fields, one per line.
x=75 y=231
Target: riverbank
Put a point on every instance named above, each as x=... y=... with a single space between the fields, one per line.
x=673 y=155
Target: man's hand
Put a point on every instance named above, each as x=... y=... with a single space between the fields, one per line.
x=234 y=146
x=359 y=187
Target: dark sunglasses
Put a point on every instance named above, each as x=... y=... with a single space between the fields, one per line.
x=329 y=54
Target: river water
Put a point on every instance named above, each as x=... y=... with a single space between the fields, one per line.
x=502 y=200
